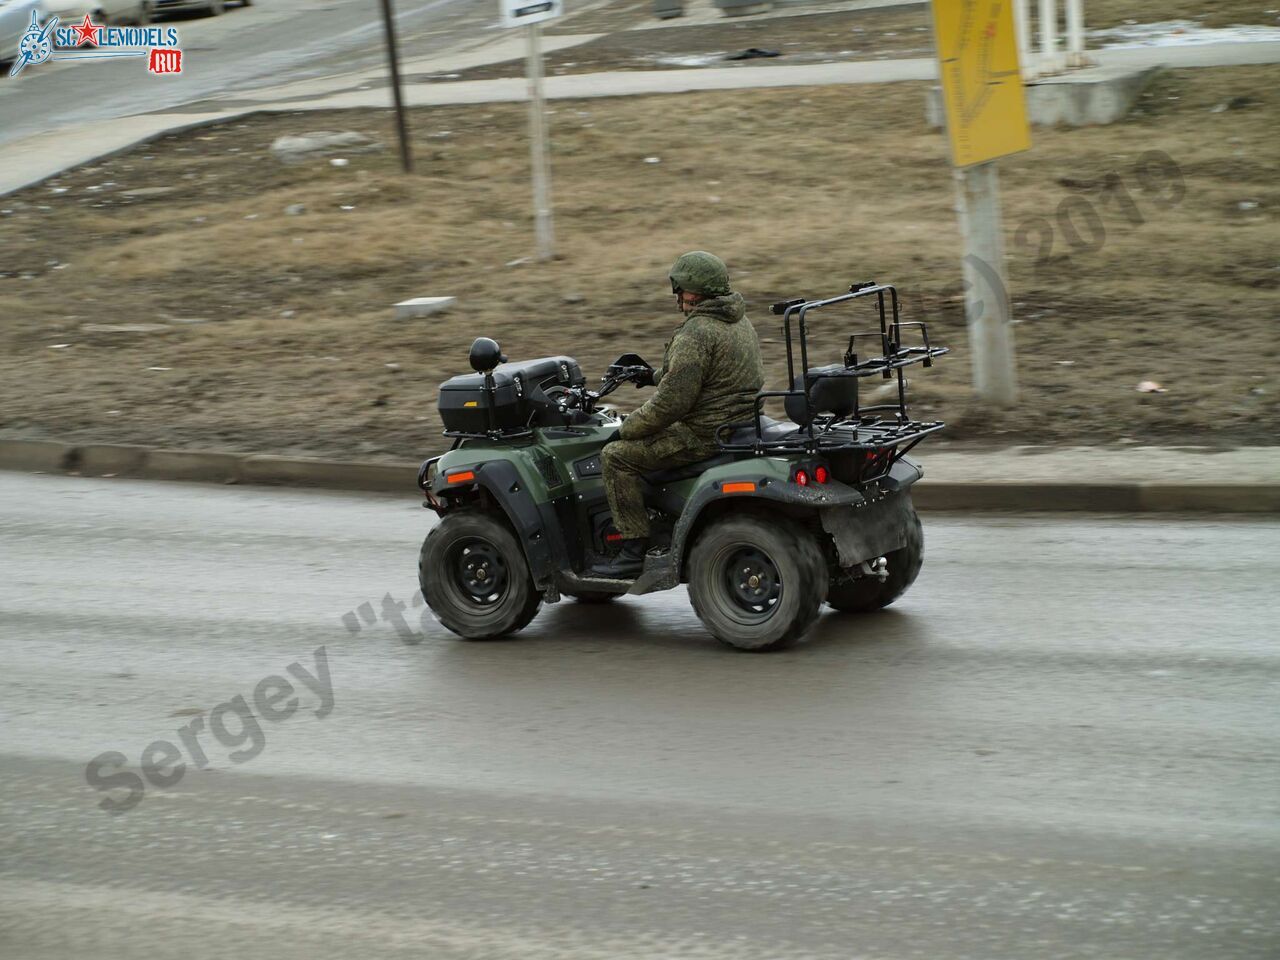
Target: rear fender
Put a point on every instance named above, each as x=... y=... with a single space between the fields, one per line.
x=760 y=484
x=764 y=485
x=902 y=475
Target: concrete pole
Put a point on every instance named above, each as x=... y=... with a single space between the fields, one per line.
x=986 y=300
x=1049 y=63
x=543 y=229
x=1026 y=55
x=1075 y=34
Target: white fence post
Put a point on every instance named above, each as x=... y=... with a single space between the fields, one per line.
x=1075 y=34
x=1049 y=62
x=1026 y=54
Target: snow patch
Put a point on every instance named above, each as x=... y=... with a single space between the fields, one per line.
x=698 y=60
x=1180 y=33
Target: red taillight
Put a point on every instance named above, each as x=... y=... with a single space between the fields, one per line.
x=821 y=474
x=612 y=537
x=802 y=477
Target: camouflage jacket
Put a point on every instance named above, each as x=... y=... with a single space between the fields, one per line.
x=711 y=372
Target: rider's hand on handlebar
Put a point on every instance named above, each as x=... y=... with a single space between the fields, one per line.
x=641 y=372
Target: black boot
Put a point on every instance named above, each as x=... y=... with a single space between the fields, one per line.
x=626 y=564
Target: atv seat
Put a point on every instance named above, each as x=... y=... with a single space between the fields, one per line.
x=740 y=433
x=771 y=431
x=830 y=390
x=670 y=475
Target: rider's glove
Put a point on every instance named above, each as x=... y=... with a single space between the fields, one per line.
x=643 y=376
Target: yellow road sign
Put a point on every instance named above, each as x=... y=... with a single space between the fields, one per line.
x=981 y=82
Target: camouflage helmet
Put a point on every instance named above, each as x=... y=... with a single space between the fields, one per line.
x=700 y=272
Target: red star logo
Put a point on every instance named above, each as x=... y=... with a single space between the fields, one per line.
x=88 y=31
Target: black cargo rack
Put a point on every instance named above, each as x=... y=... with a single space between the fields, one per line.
x=885 y=430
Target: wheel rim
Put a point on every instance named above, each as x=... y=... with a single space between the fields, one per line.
x=479 y=572
x=752 y=584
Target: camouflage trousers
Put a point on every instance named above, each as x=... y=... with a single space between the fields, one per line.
x=625 y=461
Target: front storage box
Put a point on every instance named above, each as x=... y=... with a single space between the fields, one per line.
x=524 y=395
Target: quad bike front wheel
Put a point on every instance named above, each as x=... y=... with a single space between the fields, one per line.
x=756 y=584
x=871 y=593
x=475 y=578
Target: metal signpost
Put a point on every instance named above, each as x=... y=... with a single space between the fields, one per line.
x=531 y=14
x=986 y=119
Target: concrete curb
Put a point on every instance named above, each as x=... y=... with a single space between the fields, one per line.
x=334 y=474
x=99 y=459
x=124 y=460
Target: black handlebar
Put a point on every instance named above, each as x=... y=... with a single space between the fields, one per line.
x=584 y=399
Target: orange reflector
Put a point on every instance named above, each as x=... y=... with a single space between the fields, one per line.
x=745 y=487
x=466 y=476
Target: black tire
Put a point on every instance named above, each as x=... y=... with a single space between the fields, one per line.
x=465 y=554
x=593 y=596
x=870 y=593
x=775 y=609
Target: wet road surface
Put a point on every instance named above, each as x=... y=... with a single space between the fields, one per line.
x=1062 y=743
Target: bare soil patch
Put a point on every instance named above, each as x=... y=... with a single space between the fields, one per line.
x=801 y=190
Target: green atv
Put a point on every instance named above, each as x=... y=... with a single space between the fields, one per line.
x=787 y=515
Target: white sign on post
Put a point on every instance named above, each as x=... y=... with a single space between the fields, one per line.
x=519 y=13
x=530 y=14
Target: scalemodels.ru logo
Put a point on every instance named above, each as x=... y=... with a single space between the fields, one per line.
x=52 y=42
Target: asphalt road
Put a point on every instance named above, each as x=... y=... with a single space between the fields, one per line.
x=262 y=45
x=1062 y=743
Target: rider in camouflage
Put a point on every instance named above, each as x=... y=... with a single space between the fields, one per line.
x=711 y=372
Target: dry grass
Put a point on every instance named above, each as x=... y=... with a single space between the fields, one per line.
x=1100 y=14
x=801 y=191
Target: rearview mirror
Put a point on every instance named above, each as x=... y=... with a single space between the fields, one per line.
x=485 y=355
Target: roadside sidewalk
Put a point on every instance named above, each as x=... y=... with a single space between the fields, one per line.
x=1133 y=479
x=28 y=161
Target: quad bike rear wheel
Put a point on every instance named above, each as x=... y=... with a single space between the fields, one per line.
x=756 y=584
x=475 y=578
x=871 y=593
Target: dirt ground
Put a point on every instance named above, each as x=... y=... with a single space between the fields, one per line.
x=1101 y=14
x=265 y=330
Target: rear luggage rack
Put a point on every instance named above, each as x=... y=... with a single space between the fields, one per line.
x=884 y=428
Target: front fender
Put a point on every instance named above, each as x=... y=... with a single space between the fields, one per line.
x=534 y=523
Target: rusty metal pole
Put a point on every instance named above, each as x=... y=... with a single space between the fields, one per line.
x=393 y=59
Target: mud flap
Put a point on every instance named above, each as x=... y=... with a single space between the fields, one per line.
x=659 y=573
x=868 y=530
